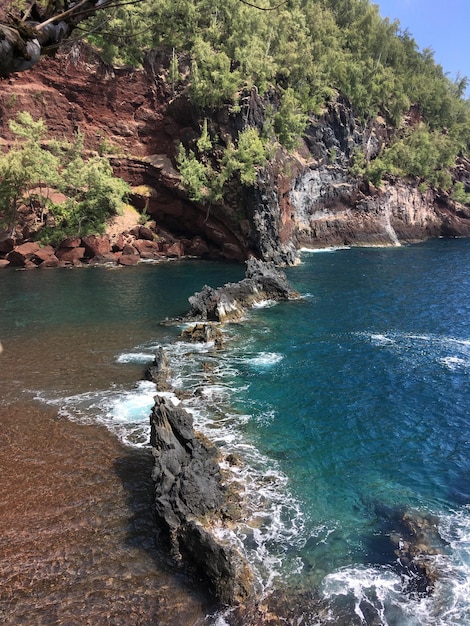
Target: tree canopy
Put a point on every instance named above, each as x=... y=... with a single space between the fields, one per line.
x=305 y=51
x=31 y=173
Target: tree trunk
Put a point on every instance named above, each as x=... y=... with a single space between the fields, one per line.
x=23 y=41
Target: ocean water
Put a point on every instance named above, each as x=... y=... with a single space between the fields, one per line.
x=349 y=407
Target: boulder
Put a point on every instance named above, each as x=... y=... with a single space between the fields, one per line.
x=71 y=255
x=51 y=261
x=96 y=245
x=147 y=249
x=129 y=250
x=128 y=259
x=23 y=253
x=119 y=242
x=45 y=257
x=7 y=244
x=174 y=250
x=109 y=257
x=145 y=233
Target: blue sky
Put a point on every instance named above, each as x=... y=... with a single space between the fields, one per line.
x=443 y=25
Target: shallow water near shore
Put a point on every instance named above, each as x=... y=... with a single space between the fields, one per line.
x=349 y=407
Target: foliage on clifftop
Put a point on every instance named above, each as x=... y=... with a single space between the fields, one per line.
x=307 y=51
x=299 y=55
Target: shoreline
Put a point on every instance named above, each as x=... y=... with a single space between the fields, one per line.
x=202 y=531
x=415 y=544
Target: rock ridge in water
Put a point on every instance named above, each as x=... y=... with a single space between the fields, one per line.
x=263 y=281
x=192 y=496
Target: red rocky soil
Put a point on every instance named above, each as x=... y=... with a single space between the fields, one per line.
x=130 y=115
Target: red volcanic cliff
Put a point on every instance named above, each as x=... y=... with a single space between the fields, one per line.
x=307 y=199
x=126 y=113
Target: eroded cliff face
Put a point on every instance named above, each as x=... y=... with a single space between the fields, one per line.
x=319 y=204
x=304 y=200
x=131 y=116
x=340 y=213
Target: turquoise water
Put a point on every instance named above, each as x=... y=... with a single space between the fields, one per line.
x=350 y=407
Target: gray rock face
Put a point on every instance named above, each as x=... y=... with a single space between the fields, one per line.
x=159 y=371
x=189 y=482
x=335 y=134
x=311 y=199
x=263 y=281
x=189 y=489
x=264 y=203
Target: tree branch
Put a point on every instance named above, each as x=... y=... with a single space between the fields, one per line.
x=23 y=41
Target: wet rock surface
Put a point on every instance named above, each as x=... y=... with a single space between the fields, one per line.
x=190 y=497
x=412 y=547
x=159 y=371
x=203 y=333
x=263 y=281
x=192 y=494
x=417 y=541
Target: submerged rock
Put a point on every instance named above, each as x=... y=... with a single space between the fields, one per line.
x=203 y=333
x=417 y=541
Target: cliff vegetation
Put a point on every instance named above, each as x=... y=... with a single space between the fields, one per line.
x=241 y=127
x=299 y=56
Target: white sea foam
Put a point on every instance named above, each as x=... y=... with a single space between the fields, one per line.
x=135 y=357
x=124 y=411
x=453 y=588
x=264 y=304
x=381 y=340
x=274 y=523
x=454 y=363
x=327 y=249
x=134 y=405
x=265 y=359
x=380 y=591
x=370 y=589
x=450 y=352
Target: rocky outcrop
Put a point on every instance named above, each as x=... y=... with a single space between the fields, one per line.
x=190 y=496
x=159 y=371
x=417 y=541
x=228 y=303
x=203 y=333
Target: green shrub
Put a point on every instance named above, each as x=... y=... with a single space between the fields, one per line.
x=93 y=192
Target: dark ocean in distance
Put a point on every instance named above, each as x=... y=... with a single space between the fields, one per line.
x=350 y=408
